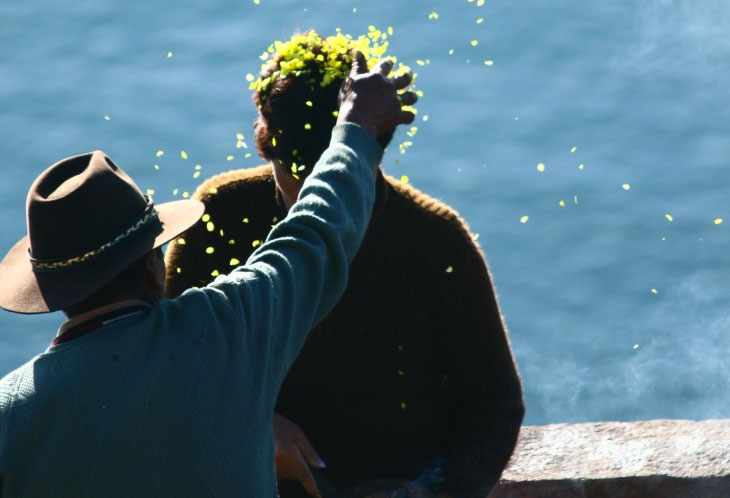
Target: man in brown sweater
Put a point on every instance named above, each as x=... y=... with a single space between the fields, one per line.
x=412 y=370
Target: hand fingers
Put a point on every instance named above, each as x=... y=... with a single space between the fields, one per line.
x=384 y=67
x=300 y=470
x=359 y=63
x=308 y=451
x=407 y=98
x=402 y=81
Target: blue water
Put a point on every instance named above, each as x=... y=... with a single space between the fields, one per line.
x=636 y=92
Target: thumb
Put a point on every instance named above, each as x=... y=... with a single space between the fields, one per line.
x=359 y=64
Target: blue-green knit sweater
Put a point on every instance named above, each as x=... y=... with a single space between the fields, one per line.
x=178 y=401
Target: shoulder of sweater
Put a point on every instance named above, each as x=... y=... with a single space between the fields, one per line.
x=233 y=181
x=430 y=211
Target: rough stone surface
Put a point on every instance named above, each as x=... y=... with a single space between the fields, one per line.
x=656 y=458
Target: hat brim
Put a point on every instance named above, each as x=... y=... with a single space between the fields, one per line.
x=23 y=290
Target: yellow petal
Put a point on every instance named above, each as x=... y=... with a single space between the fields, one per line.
x=209 y=250
x=183 y=154
x=541 y=167
x=524 y=219
x=718 y=221
x=669 y=217
x=626 y=186
x=234 y=262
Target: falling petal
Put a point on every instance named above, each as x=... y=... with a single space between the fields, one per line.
x=214 y=273
x=150 y=191
x=480 y=20
x=488 y=62
x=541 y=167
x=181 y=241
x=669 y=217
x=654 y=291
x=474 y=43
x=718 y=221
x=234 y=262
x=210 y=226
x=229 y=158
x=256 y=243
x=209 y=250
x=524 y=219
x=160 y=152
x=626 y=186
x=573 y=149
x=404 y=179
x=205 y=218
x=183 y=154
x=212 y=190
x=169 y=54
x=561 y=203
x=449 y=269
x=107 y=117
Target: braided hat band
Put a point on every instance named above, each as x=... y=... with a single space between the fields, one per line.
x=51 y=265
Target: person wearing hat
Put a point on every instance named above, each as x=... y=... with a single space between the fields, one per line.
x=143 y=396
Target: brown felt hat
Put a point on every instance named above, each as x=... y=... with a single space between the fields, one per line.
x=87 y=222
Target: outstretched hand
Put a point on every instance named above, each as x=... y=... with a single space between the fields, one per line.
x=370 y=99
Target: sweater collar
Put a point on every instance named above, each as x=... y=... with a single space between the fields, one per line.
x=381 y=193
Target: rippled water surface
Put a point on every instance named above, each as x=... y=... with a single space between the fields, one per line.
x=615 y=312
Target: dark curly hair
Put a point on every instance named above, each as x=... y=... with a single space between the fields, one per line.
x=296 y=117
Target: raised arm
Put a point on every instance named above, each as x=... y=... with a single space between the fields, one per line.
x=294 y=279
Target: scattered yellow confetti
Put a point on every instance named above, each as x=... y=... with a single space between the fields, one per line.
x=420 y=62
x=214 y=273
x=400 y=347
x=107 y=117
x=212 y=190
x=196 y=174
x=480 y=3
x=449 y=269
x=174 y=191
x=669 y=217
x=718 y=221
x=335 y=113
x=573 y=149
x=307 y=126
x=626 y=186
x=474 y=43
x=205 y=218
x=157 y=166
x=209 y=250
x=580 y=166
x=524 y=219
x=160 y=152
x=250 y=77
x=210 y=226
x=181 y=241
x=390 y=30
x=654 y=291
x=150 y=191
x=221 y=232
x=273 y=141
x=575 y=199
x=169 y=54
x=489 y=63
x=636 y=346
x=561 y=203
x=404 y=179
x=239 y=136
x=257 y=2
x=451 y=52
x=480 y=20
x=186 y=194
x=178 y=269
x=183 y=154
x=234 y=262
x=433 y=15
x=248 y=154
x=308 y=103
x=197 y=166
x=401 y=373
x=475 y=236
x=256 y=243
x=541 y=167
x=229 y=158
x=232 y=242
x=245 y=220
x=403 y=405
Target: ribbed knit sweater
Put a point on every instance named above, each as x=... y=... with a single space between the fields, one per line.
x=413 y=361
x=177 y=401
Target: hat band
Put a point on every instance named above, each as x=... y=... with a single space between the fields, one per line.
x=50 y=265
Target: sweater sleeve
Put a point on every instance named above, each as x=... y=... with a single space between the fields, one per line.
x=483 y=384
x=297 y=275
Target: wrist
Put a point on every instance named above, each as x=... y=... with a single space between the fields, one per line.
x=348 y=114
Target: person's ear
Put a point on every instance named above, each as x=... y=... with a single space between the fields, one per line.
x=154 y=269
